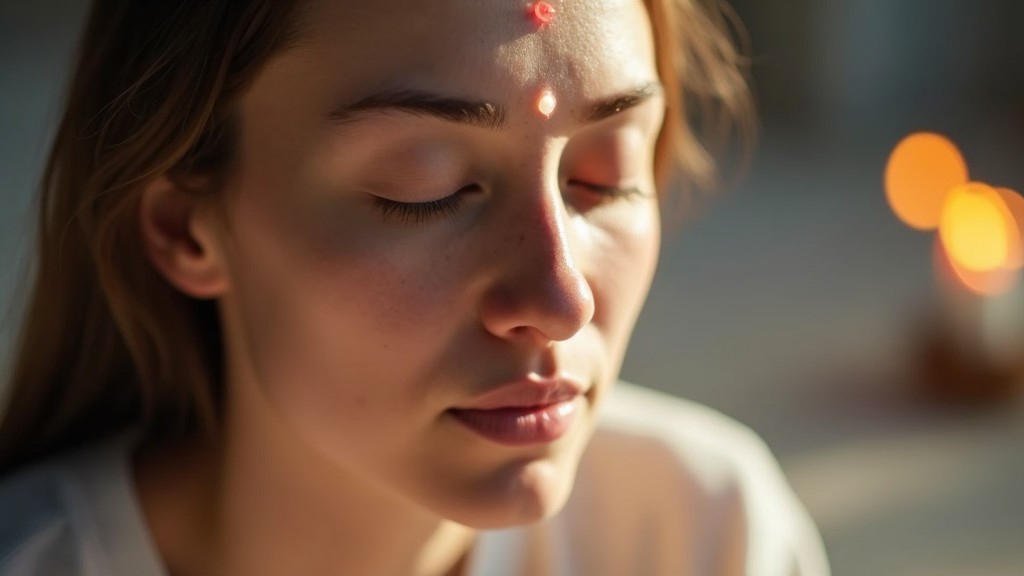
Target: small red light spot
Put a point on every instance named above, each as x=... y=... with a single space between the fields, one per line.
x=543 y=12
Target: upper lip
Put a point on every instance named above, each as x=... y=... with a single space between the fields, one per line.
x=528 y=392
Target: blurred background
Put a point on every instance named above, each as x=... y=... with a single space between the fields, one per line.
x=794 y=300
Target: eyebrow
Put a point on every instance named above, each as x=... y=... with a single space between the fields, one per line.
x=470 y=113
x=608 y=107
x=476 y=113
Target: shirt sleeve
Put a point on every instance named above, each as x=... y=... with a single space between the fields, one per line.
x=751 y=523
x=36 y=538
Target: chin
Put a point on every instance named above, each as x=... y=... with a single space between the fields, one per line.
x=521 y=493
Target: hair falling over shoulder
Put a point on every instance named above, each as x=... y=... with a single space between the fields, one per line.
x=106 y=343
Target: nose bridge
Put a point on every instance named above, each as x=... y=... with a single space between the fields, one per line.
x=543 y=289
x=545 y=232
x=545 y=217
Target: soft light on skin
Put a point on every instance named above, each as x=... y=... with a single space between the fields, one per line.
x=922 y=169
x=387 y=322
x=546 y=103
x=403 y=234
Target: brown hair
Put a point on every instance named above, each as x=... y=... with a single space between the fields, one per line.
x=106 y=342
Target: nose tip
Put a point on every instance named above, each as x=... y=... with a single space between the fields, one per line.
x=552 y=311
x=571 y=305
x=543 y=295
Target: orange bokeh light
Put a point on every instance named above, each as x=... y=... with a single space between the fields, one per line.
x=922 y=169
x=990 y=283
x=1015 y=204
x=977 y=229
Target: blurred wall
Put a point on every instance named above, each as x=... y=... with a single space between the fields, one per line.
x=850 y=67
x=36 y=41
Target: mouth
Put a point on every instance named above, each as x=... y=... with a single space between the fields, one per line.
x=524 y=413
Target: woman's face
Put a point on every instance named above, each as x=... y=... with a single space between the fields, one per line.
x=430 y=281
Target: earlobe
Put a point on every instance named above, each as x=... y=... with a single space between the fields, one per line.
x=181 y=239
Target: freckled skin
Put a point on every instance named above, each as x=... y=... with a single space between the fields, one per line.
x=358 y=331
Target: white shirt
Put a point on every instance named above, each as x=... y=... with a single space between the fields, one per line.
x=665 y=488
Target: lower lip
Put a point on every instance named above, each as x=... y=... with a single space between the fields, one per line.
x=521 y=426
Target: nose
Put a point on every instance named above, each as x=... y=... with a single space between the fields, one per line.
x=540 y=293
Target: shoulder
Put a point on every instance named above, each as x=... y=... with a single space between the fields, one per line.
x=36 y=532
x=74 y=515
x=718 y=497
x=711 y=448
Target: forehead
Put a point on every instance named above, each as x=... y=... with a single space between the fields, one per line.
x=484 y=48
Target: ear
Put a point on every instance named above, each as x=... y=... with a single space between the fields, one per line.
x=183 y=239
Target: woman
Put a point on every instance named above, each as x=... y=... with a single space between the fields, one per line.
x=347 y=284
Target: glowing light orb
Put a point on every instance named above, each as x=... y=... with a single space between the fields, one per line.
x=922 y=169
x=543 y=12
x=1015 y=204
x=546 y=103
x=990 y=283
x=976 y=228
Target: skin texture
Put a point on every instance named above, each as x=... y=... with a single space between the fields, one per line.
x=350 y=332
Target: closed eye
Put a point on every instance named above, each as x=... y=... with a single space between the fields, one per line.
x=609 y=192
x=420 y=212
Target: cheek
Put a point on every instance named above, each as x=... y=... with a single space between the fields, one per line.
x=340 y=319
x=343 y=345
x=627 y=249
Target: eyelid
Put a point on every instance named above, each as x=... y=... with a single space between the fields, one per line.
x=420 y=212
x=610 y=191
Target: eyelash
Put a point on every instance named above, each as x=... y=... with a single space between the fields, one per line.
x=609 y=193
x=420 y=212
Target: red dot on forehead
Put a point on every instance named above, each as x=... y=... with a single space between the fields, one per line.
x=543 y=12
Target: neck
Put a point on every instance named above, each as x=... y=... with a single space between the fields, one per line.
x=263 y=503
x=306 y=516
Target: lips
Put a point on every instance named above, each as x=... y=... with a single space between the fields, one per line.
x=533 y=411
